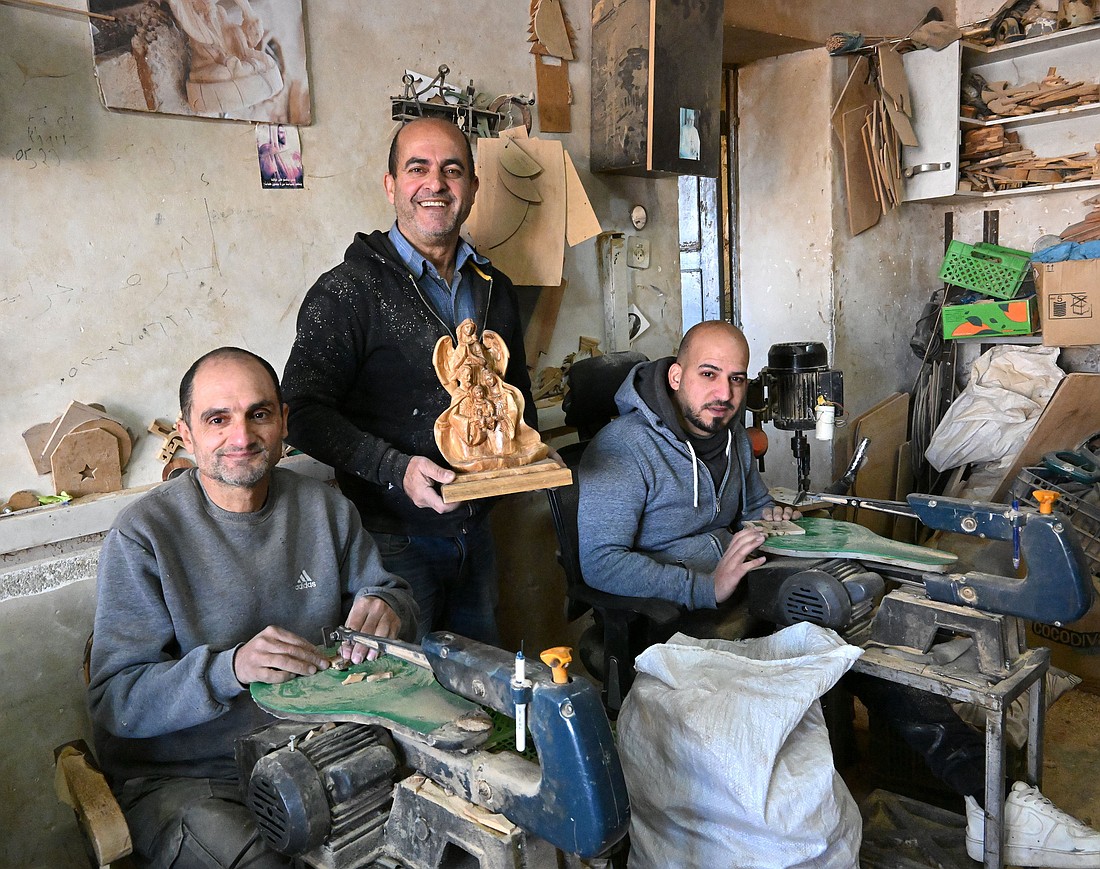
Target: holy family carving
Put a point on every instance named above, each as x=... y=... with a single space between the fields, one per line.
x=483 y=429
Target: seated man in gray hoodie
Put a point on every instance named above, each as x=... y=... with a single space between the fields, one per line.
x=665 y=487
x=210 y=582
x=664 y=490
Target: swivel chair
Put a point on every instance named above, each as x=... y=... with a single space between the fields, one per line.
x=624 y=626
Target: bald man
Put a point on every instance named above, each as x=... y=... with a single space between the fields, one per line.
x=364 y=395
x=667 y=485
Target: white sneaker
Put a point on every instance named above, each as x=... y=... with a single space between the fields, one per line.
x=1037 y=833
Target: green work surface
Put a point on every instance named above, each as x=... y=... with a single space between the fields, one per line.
x=412 y=702
x=835 y=539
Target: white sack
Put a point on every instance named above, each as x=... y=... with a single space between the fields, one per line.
x=727 y=757
x=992 y=417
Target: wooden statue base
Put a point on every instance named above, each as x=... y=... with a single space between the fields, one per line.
x=546 y=474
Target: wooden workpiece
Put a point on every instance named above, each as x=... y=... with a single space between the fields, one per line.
x=546 y=474
x=86 y=463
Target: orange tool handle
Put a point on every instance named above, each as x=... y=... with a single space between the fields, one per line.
x=557 y=659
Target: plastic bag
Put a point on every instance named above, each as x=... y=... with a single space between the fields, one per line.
x=727 y=757
x=992 y=417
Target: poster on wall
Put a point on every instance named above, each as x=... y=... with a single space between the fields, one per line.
x=239 y=59
x=690 y=144
x=279 y=150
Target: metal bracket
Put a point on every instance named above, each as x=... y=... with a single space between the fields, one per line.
x=926 y=167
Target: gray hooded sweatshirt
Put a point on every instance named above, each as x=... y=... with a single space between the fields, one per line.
x=653 y=519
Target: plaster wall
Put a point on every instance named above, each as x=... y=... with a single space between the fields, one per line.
x=142 y=240
x=788 y=290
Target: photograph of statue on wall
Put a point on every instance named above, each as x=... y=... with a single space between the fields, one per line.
x=279 y=149
x=243 y=60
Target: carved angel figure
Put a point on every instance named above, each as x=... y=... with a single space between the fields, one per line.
x=483 y=429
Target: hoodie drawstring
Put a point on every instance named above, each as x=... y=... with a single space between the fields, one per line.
x=695 y=471
x=694 y=475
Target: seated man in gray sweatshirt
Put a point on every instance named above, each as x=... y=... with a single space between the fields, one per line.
x=210 y=582
x=664 y=490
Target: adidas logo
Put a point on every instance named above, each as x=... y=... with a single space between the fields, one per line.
x=304 y=581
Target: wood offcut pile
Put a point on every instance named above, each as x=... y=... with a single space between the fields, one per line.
x=993 y=158
x=1087 y=229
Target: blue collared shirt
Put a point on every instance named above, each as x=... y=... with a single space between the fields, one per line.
x=453 y=302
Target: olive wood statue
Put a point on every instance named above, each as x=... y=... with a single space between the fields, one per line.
x=483 y=429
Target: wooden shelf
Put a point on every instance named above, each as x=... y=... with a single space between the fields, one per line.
x=1028 y=189
x=976 y=55
x=1067 y=113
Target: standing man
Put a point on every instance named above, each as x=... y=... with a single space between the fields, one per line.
x=210 y=582
x=364 y=395
x=664 y=488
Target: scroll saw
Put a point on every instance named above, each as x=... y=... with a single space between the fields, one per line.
x=842 y=587
x=390 y=764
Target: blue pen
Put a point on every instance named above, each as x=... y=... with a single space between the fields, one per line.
x=1015 y=533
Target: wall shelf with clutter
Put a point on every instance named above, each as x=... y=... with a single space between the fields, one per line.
x=1027 y=119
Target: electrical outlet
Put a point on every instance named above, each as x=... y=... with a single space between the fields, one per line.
x=637 y=250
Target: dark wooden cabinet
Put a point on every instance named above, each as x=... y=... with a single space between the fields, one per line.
x=656 y=87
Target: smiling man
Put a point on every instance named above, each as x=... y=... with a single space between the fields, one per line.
x=219 y=578
x=364 y=395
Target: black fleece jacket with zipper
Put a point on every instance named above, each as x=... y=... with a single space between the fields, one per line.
x=362 y=390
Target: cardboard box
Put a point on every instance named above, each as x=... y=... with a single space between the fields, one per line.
x=1011 y=317
x=1069 y=294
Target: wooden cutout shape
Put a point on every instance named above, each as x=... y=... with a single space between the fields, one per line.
x=515 y=159
x=856 y=93
x=483 y=429
x=518 y=186
x=112 y=427
x=581 y=222
x=75 y=414
x=863 y=208
x=552 y=86
x=549 y=23
x=36 y=438
x=534 y=255
x=892 y=78
x=497 y=213
x=86 y=463
x=540 y=330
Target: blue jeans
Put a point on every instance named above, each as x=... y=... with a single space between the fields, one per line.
x=453 y=580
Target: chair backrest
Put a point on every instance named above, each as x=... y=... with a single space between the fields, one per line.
x=564 y=501
x=589 y=404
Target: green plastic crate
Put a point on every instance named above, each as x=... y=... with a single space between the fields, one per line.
x=985 y=268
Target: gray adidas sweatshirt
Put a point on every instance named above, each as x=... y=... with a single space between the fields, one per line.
x=183 y=584
x=652 y=520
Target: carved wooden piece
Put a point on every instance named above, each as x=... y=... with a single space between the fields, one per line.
x=86 y=463
x=483 y=429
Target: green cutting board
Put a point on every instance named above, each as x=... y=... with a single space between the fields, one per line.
x=411 y=702
x=834 y=539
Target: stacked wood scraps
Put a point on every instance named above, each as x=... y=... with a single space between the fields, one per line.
x=552 y=40
x=873 y=120
x=1087 y=229
x=1053 y=93
x=993 y=158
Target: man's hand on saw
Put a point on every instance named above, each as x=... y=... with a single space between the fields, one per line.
x=777 y=513
x=275 y=655
x=419 y=484
x=369 y=615
x=736 y=562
